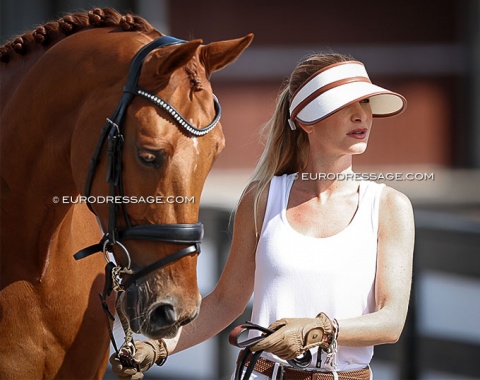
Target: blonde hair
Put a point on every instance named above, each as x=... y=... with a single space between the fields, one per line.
x=286 y=150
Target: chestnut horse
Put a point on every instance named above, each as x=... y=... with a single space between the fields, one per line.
x=59 y=85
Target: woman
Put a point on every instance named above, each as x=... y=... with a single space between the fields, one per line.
x=327 y=255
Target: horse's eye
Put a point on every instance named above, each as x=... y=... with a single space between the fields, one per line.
x=151 y=158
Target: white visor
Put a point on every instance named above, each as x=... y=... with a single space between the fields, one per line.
x=337 y=86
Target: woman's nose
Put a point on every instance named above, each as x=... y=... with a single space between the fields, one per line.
x=360 y=111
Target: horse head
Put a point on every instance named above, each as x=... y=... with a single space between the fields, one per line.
x=156 y=151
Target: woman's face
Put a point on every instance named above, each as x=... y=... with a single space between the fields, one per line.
x=344 y=132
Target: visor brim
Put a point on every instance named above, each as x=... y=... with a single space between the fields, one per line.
x=383 y=102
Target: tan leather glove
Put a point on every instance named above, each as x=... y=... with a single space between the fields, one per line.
x=148 y=353
x=294 y=336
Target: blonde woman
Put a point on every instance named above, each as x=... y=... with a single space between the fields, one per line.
x=327 y=255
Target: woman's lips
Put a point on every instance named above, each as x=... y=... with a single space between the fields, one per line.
x=359 y=133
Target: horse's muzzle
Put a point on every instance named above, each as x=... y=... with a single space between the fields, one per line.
x=163 y=318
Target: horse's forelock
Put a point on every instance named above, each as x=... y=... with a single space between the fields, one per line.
x=52 y=32
x=192 y=72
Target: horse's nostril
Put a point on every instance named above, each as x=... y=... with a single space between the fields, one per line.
x=163 y=315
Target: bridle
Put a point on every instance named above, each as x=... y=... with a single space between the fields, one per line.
x=113 y=133
x=120 y=278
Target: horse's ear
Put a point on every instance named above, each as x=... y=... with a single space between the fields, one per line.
x=177 y=56
x=161 y=63
x=216 y=55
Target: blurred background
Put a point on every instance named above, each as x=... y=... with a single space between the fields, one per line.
x=429 y=51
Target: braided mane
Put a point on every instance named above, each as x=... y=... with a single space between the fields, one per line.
x=52 y=32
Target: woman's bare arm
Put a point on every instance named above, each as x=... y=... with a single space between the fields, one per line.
x=393 y=276
x=235 y=286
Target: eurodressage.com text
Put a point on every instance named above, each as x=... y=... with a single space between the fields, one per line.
x=123 y=199
x=367 y=176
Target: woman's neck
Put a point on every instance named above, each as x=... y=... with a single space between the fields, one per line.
x=328 y=175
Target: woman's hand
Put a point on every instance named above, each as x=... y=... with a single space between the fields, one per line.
x=294 y=336
x=148 y=353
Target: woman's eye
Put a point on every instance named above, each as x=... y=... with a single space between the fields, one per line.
x=365 y=100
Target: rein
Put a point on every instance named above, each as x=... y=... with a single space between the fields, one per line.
x=247 y=356
x=119 y=278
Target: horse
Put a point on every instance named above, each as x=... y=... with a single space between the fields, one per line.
x=105 y=122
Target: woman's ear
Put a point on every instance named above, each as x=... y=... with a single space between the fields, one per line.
x=307 y=128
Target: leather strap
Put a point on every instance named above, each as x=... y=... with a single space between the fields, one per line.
x=90 y=250
x=249 y=358
x=168 y=233
x=160 y=263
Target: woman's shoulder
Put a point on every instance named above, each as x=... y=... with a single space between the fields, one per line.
x=395 y=207
x=251 y=190
x=393 y=198
x=389 y=197
x=259 y=190
x=254 y=195
x=253 y=203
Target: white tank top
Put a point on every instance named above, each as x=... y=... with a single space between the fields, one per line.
x=300 y=276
